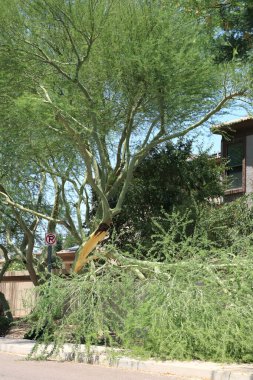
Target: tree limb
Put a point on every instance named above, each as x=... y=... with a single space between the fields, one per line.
x=7 y=261
x=159 y=139
x=68 y=215
x=33 y=212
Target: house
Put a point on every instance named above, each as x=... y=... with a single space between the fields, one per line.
x=237 y=148
x=68 y=257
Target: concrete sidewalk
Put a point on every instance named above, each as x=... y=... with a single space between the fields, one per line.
x=100 y=356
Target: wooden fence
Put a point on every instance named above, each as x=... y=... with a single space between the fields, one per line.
x=17 y=288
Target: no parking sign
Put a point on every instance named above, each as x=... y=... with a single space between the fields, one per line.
x=50 y=239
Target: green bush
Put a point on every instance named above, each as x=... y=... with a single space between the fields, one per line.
x=202 y=312
x=203 y=231
x=195 y=302
x=4 y=325
x=196 y=311
x=5 y=315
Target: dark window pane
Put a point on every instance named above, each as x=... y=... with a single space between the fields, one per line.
x=235 y=154
x=235 y=177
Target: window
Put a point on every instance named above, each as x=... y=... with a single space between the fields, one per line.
x=235 y=175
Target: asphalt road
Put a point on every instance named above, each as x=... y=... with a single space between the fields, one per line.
x=14 y=367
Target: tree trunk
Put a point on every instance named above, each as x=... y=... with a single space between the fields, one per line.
x=96 y=237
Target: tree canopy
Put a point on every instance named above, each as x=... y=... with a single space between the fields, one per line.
x=89 y=88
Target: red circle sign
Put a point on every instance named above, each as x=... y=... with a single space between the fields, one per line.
x=50 y=239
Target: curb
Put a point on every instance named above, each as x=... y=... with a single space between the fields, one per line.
x=99 y=356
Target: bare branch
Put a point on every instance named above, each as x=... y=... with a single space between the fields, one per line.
x=72 y=228
x=14 y=247
x=122 y=195
x=32 y=212
x=61 y=114
x=55 y=210
x=48 y=99
x=7 y=261
x=78 y=206
x=55 y=64
x=158 y=139
x=150 y=130
x=89 y=161
x=70 y=39
x=28 y=256
x=125 y=136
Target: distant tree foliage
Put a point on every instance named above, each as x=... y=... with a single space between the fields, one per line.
x=235 y=37
x=170 y=177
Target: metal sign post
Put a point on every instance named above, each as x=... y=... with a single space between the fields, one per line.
x=49 y=258
x=50 y=240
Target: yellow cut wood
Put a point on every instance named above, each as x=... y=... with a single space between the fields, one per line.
x=96 y=237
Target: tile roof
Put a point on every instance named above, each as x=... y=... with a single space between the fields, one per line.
x=233 y=123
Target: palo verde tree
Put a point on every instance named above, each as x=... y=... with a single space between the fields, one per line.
x=29 y=178
x=107 y=81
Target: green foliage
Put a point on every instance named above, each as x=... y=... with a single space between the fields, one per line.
x=4 y=325
x=235 y=37
x=59 y=244
x=69 y=241
x=207 y=230
x=229 y=22
x=5 y=315
x=89 y=88
x=170 y=177
x=202 y=312
x=196 y=306
x=17 y=266
x=78 y=309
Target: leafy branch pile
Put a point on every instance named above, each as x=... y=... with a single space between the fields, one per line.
x=196 y=305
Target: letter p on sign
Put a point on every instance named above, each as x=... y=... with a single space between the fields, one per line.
x=50 y=239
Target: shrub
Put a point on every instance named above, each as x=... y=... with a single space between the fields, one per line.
x=189 y=311
x=4 y=325
x=5 y=315
x=195 y=302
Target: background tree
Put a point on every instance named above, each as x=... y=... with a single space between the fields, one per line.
x=104 y=83
x=229 y=22
x=170 y=177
